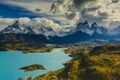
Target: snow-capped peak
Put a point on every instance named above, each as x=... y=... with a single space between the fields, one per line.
x=90 y=30
x=94 y=26
x=16 y=27
x=85 y=28
x=19 y=28
x=47 y=31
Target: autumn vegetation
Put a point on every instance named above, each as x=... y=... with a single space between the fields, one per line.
x=100 y=63
x=33 y=67
x=25 y=47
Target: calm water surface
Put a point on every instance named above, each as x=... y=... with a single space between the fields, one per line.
x=11 y=61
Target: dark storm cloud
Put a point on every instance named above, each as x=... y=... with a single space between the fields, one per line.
x=115 y=1
x=70 y=8
x=90 y=17
x=78 y=3
x=70 y=15
x=93 y=8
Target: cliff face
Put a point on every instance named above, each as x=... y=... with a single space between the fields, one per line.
x=101 y=63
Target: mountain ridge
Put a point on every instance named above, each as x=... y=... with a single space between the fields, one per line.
x=82 y=32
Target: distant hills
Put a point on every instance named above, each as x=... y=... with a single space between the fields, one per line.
x=82 y=32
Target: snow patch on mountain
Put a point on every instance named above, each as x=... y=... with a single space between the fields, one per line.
x=18 y=28
x=89 y=29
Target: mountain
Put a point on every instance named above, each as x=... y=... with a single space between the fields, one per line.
x=18 y=28
x=90 y=30
x=41 y=34
x=97 y=29
x=18 y=32
x=83 y=27
x=99 y=32
x=85 y=32
x=115 y=31
x=46 y=31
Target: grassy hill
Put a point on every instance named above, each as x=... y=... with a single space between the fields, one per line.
x=25 y=47
x=100 y=63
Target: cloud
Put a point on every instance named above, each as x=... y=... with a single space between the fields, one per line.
x=9 y=10
x=34 y=22
x=101 y=11
x=72 y=11
x=38 y=22
x=31 y=5
x=88 y=15
x=30 y=0
x=70 y=8
x=5 y=22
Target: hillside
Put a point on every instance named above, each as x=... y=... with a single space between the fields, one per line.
x=25 y=47
x=101 y=63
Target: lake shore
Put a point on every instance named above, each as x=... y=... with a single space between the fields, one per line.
x=52 y=61
x=25 y=47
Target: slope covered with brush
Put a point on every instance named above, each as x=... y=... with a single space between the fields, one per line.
x=100 y=63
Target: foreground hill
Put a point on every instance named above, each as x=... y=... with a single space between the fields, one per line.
x=100 y=63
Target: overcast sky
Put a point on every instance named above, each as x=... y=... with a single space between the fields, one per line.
x=103 y=12
x=44 y=5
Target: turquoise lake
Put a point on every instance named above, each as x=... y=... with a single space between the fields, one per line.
x=11 y=61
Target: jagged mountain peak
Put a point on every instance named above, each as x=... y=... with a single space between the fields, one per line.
x=90 y=30
x=94 y=25
x=18 y=28
x=83 y=25
x=86 y=22
x=47 y=31
x=16 y=22
x=82 y=32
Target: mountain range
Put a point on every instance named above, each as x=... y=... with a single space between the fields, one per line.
x=18 y=32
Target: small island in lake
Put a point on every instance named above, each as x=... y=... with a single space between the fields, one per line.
x=33 y=67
